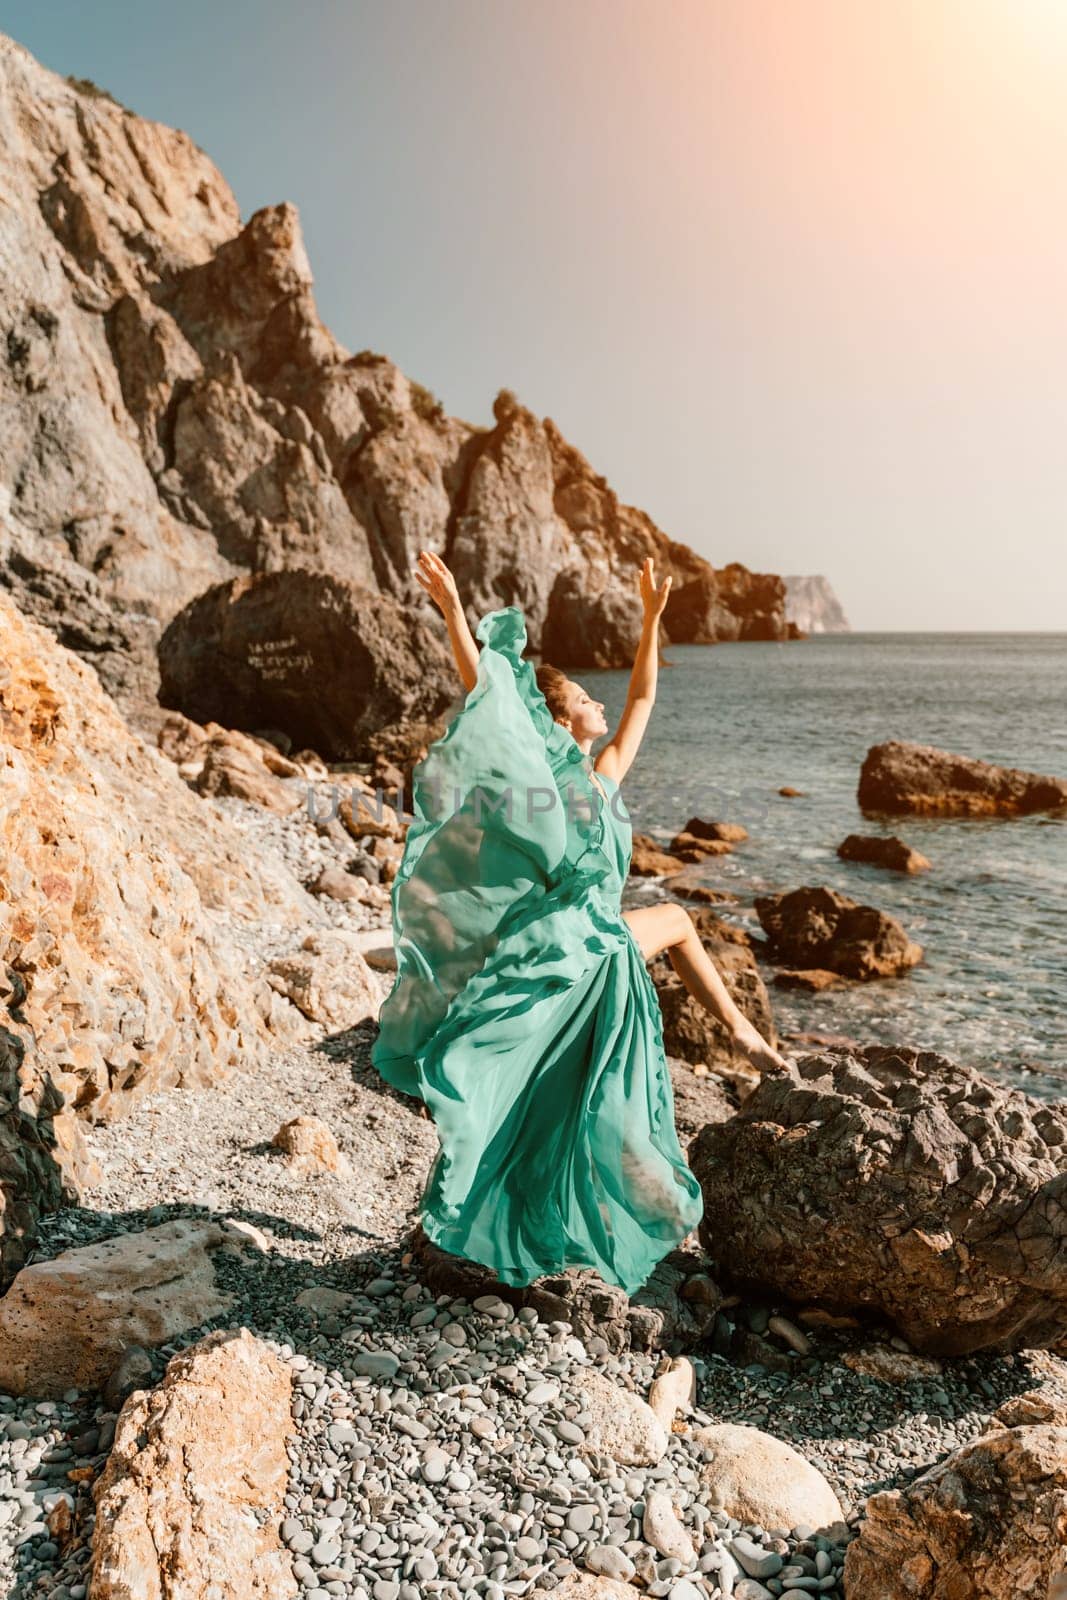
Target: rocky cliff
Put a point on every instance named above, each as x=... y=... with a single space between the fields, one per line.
x=813 y=607
x=174 y=414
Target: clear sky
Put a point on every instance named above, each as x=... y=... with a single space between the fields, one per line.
x=791 y=273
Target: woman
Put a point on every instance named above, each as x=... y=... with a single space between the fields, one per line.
x=523 y=1014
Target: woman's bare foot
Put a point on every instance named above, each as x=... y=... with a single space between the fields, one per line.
x=749 y=1042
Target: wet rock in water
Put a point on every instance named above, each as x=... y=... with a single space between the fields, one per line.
x=812 y=980
x=881 y=850
x=327 y=979
x=731 y=832
x=820 y=928
x=686 y=888
x=759 y=1479
x=310 y=1146
x=191 y=1498
x=329 y=662
x=650 y=860
x=892 y=1180
x=660 y=1313
x=988 y=1522
x=921 y=780
x=66 y=1323
x=692 y=848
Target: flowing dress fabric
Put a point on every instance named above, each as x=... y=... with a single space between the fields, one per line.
x=522 y=1013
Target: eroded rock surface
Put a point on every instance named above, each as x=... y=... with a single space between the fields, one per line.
x=988 y=1522
x=919 y=779
x=189 y=1504
x=893 y=1180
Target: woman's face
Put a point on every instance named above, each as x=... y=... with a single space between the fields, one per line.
x=586 y=715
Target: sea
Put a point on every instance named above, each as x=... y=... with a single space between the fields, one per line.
x=733 y=723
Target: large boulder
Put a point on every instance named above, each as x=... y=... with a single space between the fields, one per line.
x=893 y=1181
x=758 y=1478
x=820 y=928
x=110 y=872
x=65 y=1322
x=326 y=661
x=988 y=1522
x=189 y=1505
x=918 y=779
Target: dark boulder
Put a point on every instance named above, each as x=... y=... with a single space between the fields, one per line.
x=893 y=1181
x=325 y=661
x=816 y=927
x=879 y=850
x=920 y=780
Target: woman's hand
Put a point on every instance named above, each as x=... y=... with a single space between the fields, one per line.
x=653 y=596
x=432 y=574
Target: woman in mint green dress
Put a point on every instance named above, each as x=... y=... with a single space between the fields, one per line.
x=522 y=1013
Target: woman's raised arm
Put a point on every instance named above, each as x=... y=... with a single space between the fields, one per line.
x=440 y=585
x=617 y=756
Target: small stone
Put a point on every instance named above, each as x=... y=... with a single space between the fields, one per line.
x=608 y=1561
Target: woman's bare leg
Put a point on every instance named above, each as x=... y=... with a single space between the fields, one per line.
x=669 y=927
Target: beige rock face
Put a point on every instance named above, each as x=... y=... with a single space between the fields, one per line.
x=328 y=980
x=179 y=1502
x=623 y=1425
x=310 y=1146
x=758 y=1478
x=64 y=1323
x=109 y=870
x=989 y=1522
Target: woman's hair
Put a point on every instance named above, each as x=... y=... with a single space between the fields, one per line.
x=554 y=685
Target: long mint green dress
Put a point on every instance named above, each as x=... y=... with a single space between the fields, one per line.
x=522 y=1013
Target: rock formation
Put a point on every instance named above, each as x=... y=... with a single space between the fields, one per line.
x=189 y=1505
x=175 y=414
x=812 y=606
x=819 y=928
x=892 y=1180
x=110 y=869
x=328 y=662
x=918 y=779
x=989 y=1522
x=879 y=850
x=65 y=1323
